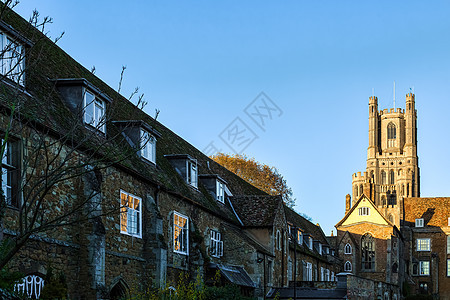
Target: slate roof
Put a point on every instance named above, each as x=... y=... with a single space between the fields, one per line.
x=307 y=226
x=47 y=62
x=257 y=210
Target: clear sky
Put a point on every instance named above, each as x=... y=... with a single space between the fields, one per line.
x=201 y=63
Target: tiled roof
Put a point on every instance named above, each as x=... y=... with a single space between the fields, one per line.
x=257 y=210
x=308 y=227
x=434 y=211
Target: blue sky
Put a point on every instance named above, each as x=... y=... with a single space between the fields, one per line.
x=202 y=62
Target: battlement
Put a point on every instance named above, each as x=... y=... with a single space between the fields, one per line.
x=410 y=97
x=386 y=111
x=373 y=99
x=360 y=177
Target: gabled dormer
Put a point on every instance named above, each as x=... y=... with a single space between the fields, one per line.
x=140 y=136
x=85 y=100
x=186 y=166
x=216 y=186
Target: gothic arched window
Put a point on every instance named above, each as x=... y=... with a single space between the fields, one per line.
x=383 y=177
x=361 y=189
x=368 y=252
x=391 y=177
x=356 y=191
x=348 y=249
x=392 y=131
x=348 y=266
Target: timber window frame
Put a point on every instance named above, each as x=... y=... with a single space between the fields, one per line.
x=192 y=172
x=12 y=58
x=424 y=268
x=423 y=244
x=94 y=110
x=216 y=247
x=180 y=234
x=148 y=146
x=130 y=214
x=220 y=191
x=11 y=172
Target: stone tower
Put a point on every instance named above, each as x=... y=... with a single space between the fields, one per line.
x=392 y=164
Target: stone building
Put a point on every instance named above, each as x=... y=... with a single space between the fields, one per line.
x=389 y=234
x=121 y=203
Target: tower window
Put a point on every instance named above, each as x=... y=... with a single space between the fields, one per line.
x=383 y=177
x=391 y=177
x=392 y=131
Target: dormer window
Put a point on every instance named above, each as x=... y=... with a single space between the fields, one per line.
x=12 y=57
x=320 y=249
x=310 y=243
x=220 y=195
x=299 y=237
x=148 y=146
x=191 y=174
x=94 y=111
x=419 y=222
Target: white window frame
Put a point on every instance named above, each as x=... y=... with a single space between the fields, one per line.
x=448 y=244
x=216 y=247
x=13 y=65
x=332 y=276
x=309 y=271
x=192 y=172
x=423 y=244
x=327 y=275
x=364 y=211
x=220 y=191
x=448 y=224
x=448 y=267
x=424 y=268
x=348 y=266
x=419 y=222
x=148 y=146
x=320 y=249
x=347 y=249
x=322 y=274
x=183 y=232
x=97 y=120
x=7 y=168
x=299 y=237
x=310 y=243
x=131 y=215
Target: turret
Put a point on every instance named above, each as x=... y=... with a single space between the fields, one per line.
x=348 y=203
x=373 y=127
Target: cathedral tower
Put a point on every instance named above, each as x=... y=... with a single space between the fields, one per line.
x=392 y=170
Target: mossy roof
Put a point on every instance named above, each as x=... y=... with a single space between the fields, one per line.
x=43 y=104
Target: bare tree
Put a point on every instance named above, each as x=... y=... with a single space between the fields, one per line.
x=44 y=153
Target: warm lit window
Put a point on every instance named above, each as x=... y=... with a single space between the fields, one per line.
x=130 y=214
x=364 y=211
x=220 y=191
x=12 y=57
x=424 y=267
x=148 y=146
x=216 y=244
x=419 y=222
x=180 y=234
x=94 y=111
x=348 y=266
x=423 y=245
x=191 y=173
x=348 y=249
x=9 y=173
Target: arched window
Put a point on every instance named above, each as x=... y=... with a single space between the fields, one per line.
x=31 y=286
x=392 y=135
x=399 y=172
x=348 y=249
x=391 y=177
x=395 y=268
x=356 y=191
x=348 y=266
x=403 y=190
x=361 y=189
x=391 y=218
x=383 y=200
x=392 y=131
x=367 y=252
x=278 y=240
x=119 y=291
x=383 y=177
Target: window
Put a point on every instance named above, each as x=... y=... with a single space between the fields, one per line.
x=191 y=167
x=419 y=222
x=392 y=135
x=130 y=214
x=148 y=146
x=269 y=272
x=348 y=249
x=30 y=286
x=278 y=241
x=310 y=243
x=361 y=189
x=299 y=237
x=332 y=276
x=448 y=244
x=423 y=245
x=180 y=234
x=220 y=191
x=327 y=275
x=216 y=244
x=320 y=249
x=448 y=267
x=424 y=268
x=9 y=173
x=367 y=253
x=364 y=211
x=322 y=274
x=391 y=177
x=348 y=266
x=383 y=177
x=308 y=271
x=12 y=58
x=94 y=111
